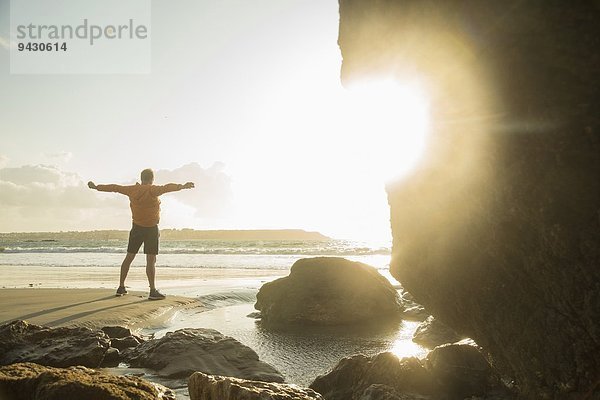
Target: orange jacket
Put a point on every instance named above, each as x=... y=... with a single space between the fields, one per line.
x=143 y=199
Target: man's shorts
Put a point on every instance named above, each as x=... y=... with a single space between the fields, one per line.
x=141 y=234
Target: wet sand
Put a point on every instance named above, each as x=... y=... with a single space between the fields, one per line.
x=84 y=296
x=93 y=308
x=189 y=282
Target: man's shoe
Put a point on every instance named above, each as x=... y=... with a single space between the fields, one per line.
x=156 y=295
x=121 y=291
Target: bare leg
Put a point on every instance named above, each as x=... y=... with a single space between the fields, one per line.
x=150 y=269
x=125 y=267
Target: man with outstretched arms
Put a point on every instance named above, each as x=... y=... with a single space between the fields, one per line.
x=145 y=213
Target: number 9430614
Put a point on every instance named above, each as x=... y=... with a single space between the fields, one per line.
x=34 y=46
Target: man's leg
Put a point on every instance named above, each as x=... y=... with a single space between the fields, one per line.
x=125 y=267
x=151 y=250
x=151 y=270
x=136 y=237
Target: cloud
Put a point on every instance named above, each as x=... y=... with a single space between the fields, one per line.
x=212 y=196
x=3 y=160
x=43 y=197
x=47 y=198
x=39 y=175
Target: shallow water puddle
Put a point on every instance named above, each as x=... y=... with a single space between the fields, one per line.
x=301 y=354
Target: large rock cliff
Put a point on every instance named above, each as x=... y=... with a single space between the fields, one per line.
x=497 y=232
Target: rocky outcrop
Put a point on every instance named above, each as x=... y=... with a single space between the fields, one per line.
x=383 y=392
x=353 y=376
x=412 y=310
x=21 y=341
x=460 y=370
x=432 y=333
x=211 y=387
x=122 y=338
x=29 y=381
x=328 y=291
x=185 y=351
x=117 y=332
x=451 y=372
x=125 y=343
x=112 y=358
x=497 y=232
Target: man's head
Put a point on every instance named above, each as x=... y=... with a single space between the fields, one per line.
x=147 y=176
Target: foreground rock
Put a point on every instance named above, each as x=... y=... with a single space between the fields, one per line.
x=432 y=333
x=453 y=372
x=57 y=347
x=211 y=387
x=351 y=378
x=122 y=338
x=497 y=229
x=112 y=358
x=181 y=353
x=384 y=392
x=413 y=311
x=28 y=381
x=460 y=370
x=328 y=291
x=117 y=332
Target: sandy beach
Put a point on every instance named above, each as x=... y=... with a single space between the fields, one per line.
x=93 y=308
x=189 y=282
x=83 y=296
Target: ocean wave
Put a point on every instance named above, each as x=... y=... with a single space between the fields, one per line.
x=10 y=250
x=211 y=251
x=185 y=266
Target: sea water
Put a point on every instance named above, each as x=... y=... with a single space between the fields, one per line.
x=248 y=254
x=301 y=353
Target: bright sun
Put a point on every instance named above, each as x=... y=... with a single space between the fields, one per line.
x=389 y=122
x=327 y=151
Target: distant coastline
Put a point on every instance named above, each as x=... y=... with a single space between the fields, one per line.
x=173 y=234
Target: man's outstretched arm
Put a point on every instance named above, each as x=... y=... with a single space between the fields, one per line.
x=172 y=187
x=109 y=188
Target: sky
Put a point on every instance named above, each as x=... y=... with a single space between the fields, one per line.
x=243 y=98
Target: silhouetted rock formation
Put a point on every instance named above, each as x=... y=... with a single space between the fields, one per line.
x=354 y=375
x=56 y=347
x=432 y=333
x=412 y=310
x=117 y=332
x=185 y=351
x=212 y=387
x=121 y=338
x=125 y=343
x=328 y=291
x=497 y=233
x=378 y=391
x=28 y=381
x=459 y=370
x=112 y=358
x=449 y=372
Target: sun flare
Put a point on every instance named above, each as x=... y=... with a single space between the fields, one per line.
x=344 y=144
x=390 y=123
x=403 y=347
